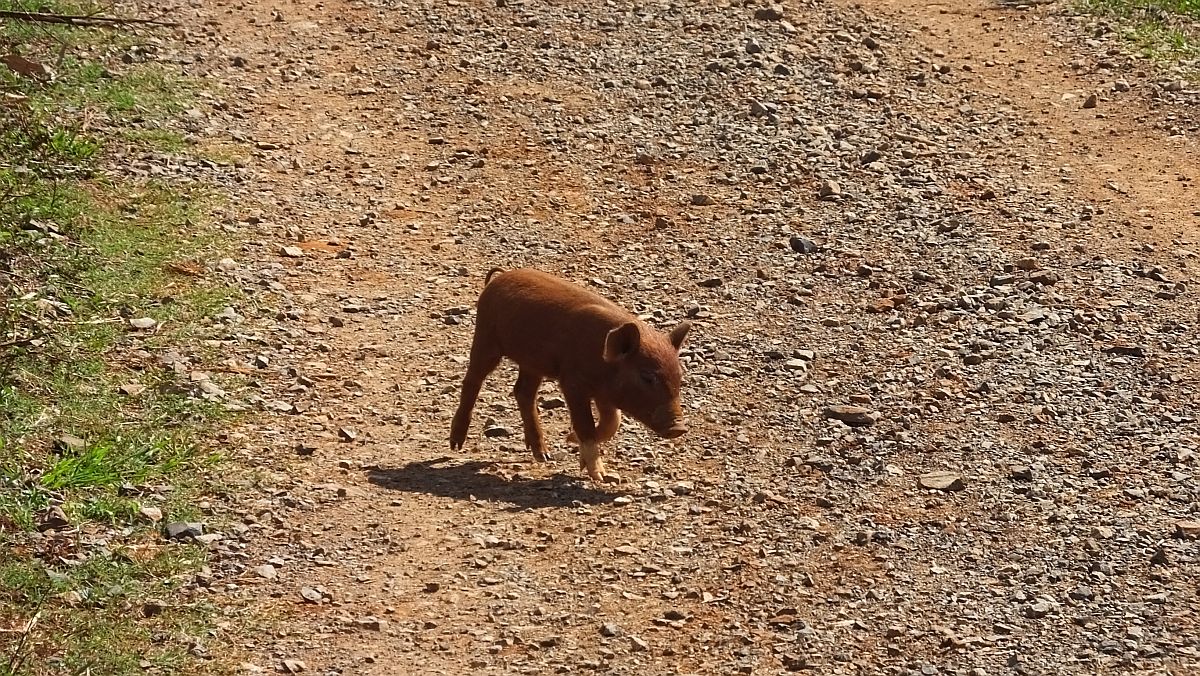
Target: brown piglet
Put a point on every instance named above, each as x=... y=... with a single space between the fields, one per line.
x=598 y=353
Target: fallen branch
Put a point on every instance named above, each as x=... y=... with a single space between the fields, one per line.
x=17 y=343
x=81 y=19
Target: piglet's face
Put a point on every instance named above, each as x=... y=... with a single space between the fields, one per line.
x=646 y=375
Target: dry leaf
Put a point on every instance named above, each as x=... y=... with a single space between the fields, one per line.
x=23 y=66
x=190 y=268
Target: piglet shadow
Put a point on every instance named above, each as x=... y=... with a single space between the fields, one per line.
x=445 y=477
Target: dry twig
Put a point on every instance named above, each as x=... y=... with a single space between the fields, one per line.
x=81 y=19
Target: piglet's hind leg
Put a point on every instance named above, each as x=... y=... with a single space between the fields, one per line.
x=525 y=393
x=484 y=360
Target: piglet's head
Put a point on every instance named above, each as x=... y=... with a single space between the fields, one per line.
x=647 y=375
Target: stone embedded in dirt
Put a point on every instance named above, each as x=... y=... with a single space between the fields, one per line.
x=711 y=282
x=66 y=443
x=311 y=595
x=131 y=389
x=1027 y=264
x=702 y=200
x=1126 y=349
x=347 y=433
x=829 y=190
x=497 y=432
x=1187 y=530
x=266 y=571
x=1021 y=472
x=53 y=518
x=209 y=539
x=675 y=615
x=151 y=513
x=638 y=644
x=182 y=530
x=796 y=364
x=142 y=323
x=292 y=252
x=1161 y=557
x=628 y=550
x=432 y=587
x=227 y=265
x=371 y=623
x=1045 y=278
x=610 y=630
x=292 y=666
x=1091 y=101
x=881 y=305
x=769 y=13
x=802 y=245
x=854 y=416
x=870 y=156
x=1038 y=610
x=941 y=481
x=551 y=403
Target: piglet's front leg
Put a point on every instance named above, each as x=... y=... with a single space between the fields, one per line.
x=590 y=446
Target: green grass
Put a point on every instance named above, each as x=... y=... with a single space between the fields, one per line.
x=1164 y=30
x=80 y=254
x=119 y=614
x=163 y=140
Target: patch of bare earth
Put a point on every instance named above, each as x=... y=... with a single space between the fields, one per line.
x=963 y=253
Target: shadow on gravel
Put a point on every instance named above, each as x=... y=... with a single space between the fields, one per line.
x=464 y=480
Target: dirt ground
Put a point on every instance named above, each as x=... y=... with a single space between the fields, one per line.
x=1034 y=258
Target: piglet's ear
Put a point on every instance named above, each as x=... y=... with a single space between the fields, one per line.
x=679 y=334
x=622 y=342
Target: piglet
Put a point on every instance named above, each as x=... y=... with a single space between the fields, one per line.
x=598 y=353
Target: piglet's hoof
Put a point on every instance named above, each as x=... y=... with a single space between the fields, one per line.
x=603 y=476
x=606 y=478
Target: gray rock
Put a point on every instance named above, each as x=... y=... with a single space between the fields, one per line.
x=829 y=190
x=66 y=443
x=610 y=630
x=181 y=530
x=53 y=518
x=802 y=245
x=941 y=481
x=855 y=416
x=770 y=13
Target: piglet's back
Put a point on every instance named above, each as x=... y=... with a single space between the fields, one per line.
x=546 y=323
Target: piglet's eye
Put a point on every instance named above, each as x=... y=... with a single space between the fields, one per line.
x=649 y=377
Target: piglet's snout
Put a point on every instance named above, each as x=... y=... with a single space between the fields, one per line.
x=670 y=424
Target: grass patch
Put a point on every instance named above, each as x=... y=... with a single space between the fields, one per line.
x=163 y=140
x=1164 y=30
x=95 y=429
x=116 y=610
